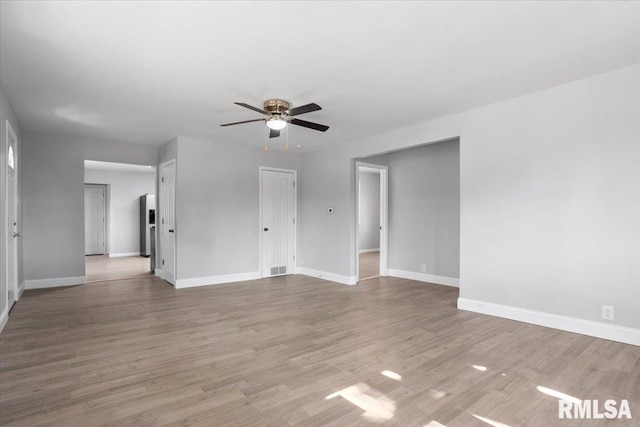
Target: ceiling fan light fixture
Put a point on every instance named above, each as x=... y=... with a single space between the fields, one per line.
x=276 y=123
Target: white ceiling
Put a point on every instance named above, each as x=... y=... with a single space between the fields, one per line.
x=119 y=167
x=145 y=72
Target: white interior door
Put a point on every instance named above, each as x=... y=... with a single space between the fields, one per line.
x=12 y=217
x=94 y=220
x=278 y=222
x=167 y=221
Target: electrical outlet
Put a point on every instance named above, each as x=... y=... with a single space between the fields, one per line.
x=607 y=312
x=424 y=268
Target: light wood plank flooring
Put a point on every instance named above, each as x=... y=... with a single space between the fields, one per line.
x=292 y=350
x=369 y=265
x=100 y=267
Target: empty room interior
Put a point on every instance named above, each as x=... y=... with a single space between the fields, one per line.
x=320 y=213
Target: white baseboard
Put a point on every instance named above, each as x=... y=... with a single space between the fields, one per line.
x=364 y=251
x=345 y=280
x=158 y=272
x=571 y=324
x=54 y=283
x=424 y=277
x=20 y=290
x=123 y=254
x=216 y=280
x=4 y=318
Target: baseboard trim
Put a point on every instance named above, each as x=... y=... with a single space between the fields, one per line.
x=54 y=283
x=158 y=272
x=424 y=277
x=365 y=251
x=4 y=318
x=217 y=280
x=338 y=278
x=570 y=324
x=20 y=290
x=124 y=254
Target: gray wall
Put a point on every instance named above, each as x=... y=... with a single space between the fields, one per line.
x=125 y=189
x=424 y=209
x=369 y=214
x=53 y=198
x=549 y=193
x=217 y=217
x=7 y=113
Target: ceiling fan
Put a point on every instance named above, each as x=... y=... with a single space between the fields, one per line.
x=279 y=114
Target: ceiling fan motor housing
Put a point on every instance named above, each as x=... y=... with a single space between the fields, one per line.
x=276 y=107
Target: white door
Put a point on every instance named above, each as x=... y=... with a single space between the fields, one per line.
x=94 y=220
x=278 y=222
x=12 y=217
x=168 y=221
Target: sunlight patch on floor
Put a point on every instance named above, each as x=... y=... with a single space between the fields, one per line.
x=392 y=375
x=490 y=421
x=559 y=395
x=437 y=394
x=479 y=368
x=376 y=406
x=434 y=423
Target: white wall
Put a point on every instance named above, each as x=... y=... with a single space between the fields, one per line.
x=53 y=201
x=217 y=210
x=424 y=209
x=125 y=189
x=7 y=113
x=369 y=213
x=550 y=198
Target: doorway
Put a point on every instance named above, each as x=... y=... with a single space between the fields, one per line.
x=11 y=243
x=116 y=220
x=168 y=221
x=371 y=220
x=277 y=221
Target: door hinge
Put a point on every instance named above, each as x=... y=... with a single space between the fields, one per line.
x=294 y=183
x=162 y=262
x=162 y=179
x=294 y=257
x=294 y=220
x=163 y=220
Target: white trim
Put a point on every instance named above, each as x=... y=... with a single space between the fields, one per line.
x=158 y=272
x=261 y=169
x=366 y=251
x=124 y=254
x=4 y=318
x=384 y=216
x=571 y=324
x=424 y=277
x=21 y=289
x=216 y=280
x=338 y=278
x=54 y=283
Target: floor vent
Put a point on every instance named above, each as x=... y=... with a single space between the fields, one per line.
x=278 y=270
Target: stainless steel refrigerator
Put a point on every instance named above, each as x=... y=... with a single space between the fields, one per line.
x=147 y=222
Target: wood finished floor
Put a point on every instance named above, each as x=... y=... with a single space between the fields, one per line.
x=270 y=352
x=369 y=265
x=100 y=267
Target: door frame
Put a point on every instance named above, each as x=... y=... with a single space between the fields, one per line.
x=384 y=217
x=261 y=169
x=106 y=214
x=160 y=229
x=9 y=282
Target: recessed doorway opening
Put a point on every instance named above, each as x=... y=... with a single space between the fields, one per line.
x=119 y=227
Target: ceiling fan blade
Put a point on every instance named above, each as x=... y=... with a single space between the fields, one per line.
x=304 y=109
x=259 y=110
x=310 y=125
x=246 y=121
x=273 y=133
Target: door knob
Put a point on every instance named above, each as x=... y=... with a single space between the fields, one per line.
x=16 y=234
x=171 y=230
x=266 y=229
